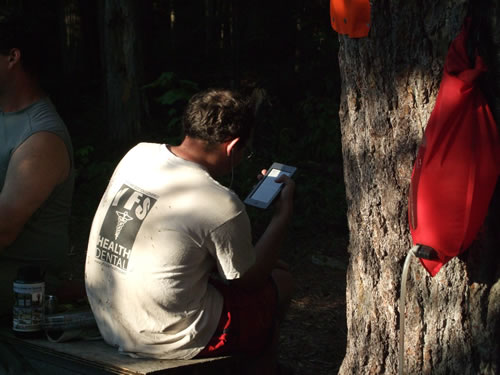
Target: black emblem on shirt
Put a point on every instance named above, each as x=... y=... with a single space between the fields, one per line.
x=121 y=224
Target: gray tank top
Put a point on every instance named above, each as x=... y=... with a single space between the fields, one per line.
x=45 y=238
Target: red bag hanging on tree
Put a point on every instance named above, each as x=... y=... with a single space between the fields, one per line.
x=351 y=17
x=457 y=164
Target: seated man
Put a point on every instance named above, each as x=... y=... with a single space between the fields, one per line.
x=164 y=225
x=36 y=165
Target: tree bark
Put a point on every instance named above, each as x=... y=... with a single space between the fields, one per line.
x=70 y=26
x=122 y=51
x=390 y=81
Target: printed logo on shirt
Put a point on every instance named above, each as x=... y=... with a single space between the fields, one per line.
x=122 y=222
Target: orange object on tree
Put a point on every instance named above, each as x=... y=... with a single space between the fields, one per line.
x=351 y=17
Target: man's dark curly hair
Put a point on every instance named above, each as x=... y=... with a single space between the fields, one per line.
x=16 y=31
x=219 y=115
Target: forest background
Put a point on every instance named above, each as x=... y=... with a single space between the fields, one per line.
x=121 y=71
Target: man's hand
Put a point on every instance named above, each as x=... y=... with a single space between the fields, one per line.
x=36 y=167
x=284 y=205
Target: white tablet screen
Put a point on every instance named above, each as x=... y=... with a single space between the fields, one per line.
x=268 y=187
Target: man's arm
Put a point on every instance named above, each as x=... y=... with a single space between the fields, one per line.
x=268 y=247
x=38 y=165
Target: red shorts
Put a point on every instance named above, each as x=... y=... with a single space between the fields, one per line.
x=246 y=322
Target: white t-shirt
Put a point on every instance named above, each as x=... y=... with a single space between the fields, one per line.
x=162 y=226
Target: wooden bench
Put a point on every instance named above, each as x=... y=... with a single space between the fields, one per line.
x=96 y=357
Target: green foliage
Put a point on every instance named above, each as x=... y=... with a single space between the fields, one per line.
x=92 y=175
x=174 y=94
x=82 y=154
x=175 y=89
x=89 y=166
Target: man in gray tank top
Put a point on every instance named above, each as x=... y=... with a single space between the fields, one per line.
x=36 y=165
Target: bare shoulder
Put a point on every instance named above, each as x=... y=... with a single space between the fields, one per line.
x=36 y=167
x=42 y=153
x=43 y=141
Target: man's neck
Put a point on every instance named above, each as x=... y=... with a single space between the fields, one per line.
x=196 y=151
x=22 y=94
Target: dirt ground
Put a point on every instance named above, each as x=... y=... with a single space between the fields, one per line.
x=313 y=336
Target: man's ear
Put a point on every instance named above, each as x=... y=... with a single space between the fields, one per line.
x=230 y=146
x=14 y=56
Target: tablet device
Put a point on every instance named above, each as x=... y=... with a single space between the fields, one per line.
x=267 y=189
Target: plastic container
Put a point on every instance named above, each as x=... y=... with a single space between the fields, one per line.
x=69 y=325
x=69 y=320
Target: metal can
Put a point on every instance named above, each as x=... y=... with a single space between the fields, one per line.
x=50 y=304
x=28 y=309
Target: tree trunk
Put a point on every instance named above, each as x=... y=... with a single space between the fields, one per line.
x=71 y=38
x=390 y=81
x=122 y=52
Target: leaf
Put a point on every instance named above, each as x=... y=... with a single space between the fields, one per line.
x=164 y=80
x=190 y=85
x=173 y=96
x=173 y=122
x=84 y=151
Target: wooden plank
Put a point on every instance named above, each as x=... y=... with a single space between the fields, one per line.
x=96 y=357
